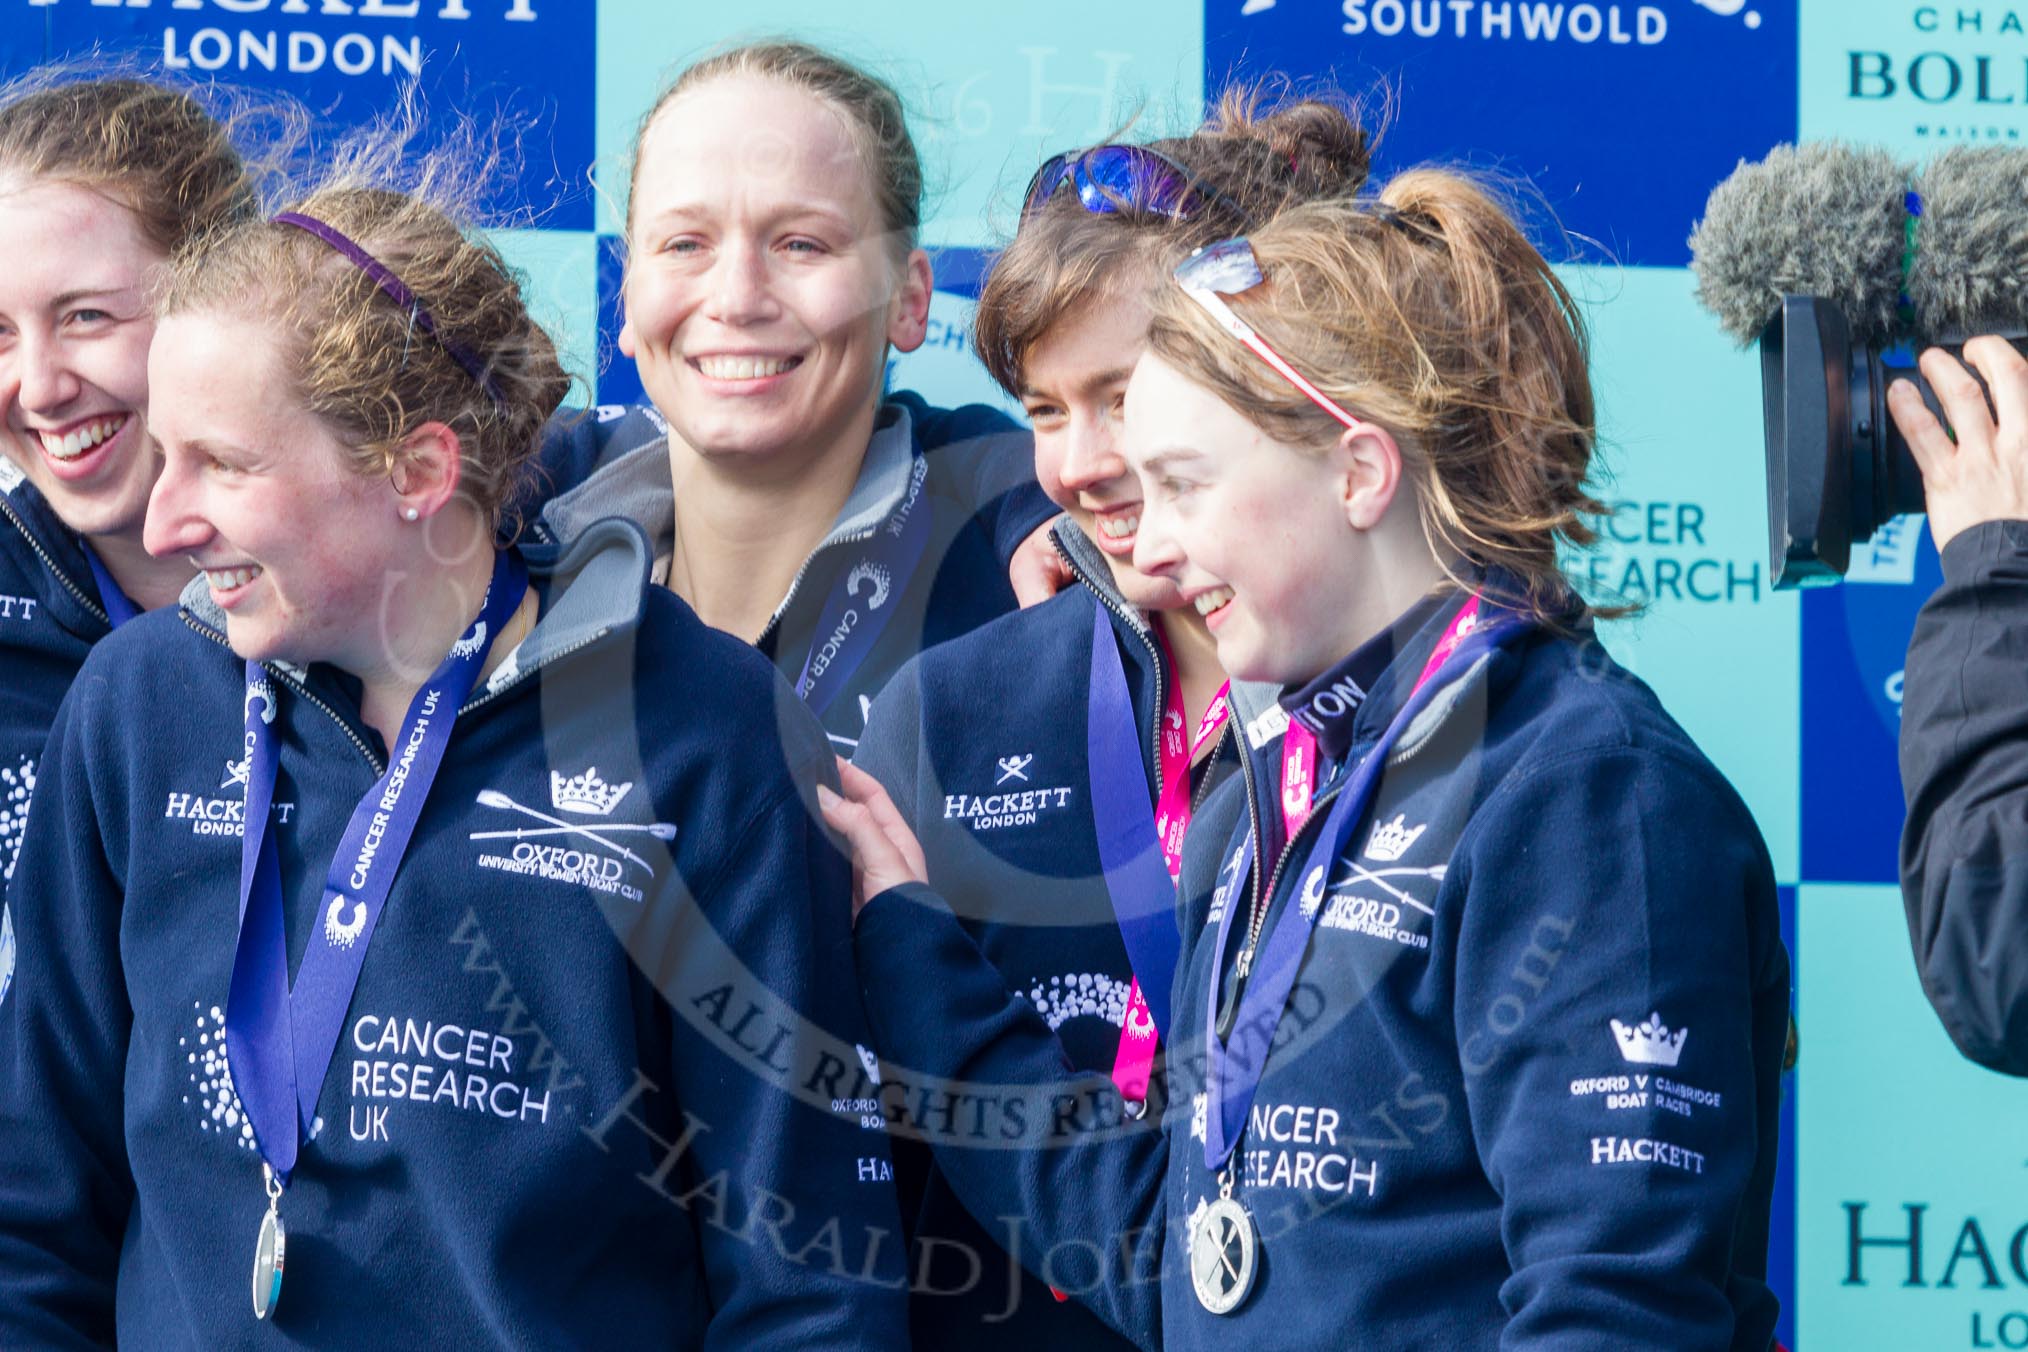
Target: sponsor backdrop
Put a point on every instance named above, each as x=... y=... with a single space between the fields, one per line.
x=1901 y=1222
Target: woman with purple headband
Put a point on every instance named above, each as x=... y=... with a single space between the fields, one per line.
x=432 y=960
x=101 y=180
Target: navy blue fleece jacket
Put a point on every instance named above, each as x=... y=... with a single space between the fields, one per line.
x=590 y=1088
x=50 y=616
x=987 y=759
x=1524 y=1091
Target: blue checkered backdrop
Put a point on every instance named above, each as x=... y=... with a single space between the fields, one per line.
x=1901 y=1222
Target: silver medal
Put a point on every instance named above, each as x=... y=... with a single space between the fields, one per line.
x=267 y=1272
x=1222 y=1254
x=269 y=1252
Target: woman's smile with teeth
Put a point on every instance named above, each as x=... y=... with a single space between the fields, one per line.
x=80 y=439
x=1119 y=527
x=229 y=579
x=1209 y=601
x=744 y=368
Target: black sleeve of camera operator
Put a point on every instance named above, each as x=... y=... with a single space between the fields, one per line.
x=1964 y=769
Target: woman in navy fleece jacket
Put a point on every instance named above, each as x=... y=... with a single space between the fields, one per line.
x=772 y=210
x=99 y=181
x=1483 y=1000
x=1007 y=804
x=441 y=936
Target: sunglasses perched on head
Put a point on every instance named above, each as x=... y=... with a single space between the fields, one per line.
x=1228 y=268
x=1123 y=178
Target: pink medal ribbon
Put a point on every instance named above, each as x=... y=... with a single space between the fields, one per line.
x=1299 y=744
x=1273 y=975
x=1134 y=1065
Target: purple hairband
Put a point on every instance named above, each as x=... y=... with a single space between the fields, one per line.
x=397 y=291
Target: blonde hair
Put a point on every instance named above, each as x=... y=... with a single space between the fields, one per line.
x=360 y=360
x=872 y=109
x=1431 y=314
x=1257 y=153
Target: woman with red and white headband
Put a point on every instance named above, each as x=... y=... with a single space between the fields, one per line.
x=1480 y=1015
x=1053 y=824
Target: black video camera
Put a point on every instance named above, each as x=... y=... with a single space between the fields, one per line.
x=1837 y=467
x=1872 y=258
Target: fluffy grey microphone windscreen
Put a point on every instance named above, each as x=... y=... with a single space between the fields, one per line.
x=1818 y=219
x=1970 y=274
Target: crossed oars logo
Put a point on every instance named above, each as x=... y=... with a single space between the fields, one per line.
x=557 y=826
x=1356 y=873
x=1216 y=1258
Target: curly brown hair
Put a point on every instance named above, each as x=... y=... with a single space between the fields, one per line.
x=360 y=360
x=156 y=150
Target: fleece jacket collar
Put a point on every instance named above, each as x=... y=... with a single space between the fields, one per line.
x=637 y=486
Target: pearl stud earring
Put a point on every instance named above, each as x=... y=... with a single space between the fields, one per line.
x=411 y=514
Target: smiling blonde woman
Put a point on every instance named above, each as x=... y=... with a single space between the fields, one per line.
x=772 y=268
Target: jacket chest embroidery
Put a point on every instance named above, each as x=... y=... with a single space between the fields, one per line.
x=579 y=847
x=1373 y=893
x=1013 y=798
x=1380 y=903
x=209 y=813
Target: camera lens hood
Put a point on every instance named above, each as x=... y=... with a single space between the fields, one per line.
x=1806 y=402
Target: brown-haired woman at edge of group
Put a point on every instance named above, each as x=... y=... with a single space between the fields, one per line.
x=1479 y=1023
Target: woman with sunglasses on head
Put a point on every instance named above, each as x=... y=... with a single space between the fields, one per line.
x=771 y=267
x=499 y=1036
x=1053 y=826
x=1484 y=997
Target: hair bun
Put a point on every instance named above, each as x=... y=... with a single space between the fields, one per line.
x=1327 y=150
x=1289 y=149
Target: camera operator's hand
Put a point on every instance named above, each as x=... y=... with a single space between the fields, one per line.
x=1983 y=476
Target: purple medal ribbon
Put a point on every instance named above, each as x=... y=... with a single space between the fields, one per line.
x=1130 y=848
x=279 y=1042
x=1234 y=1073
x=119 y=607
x=848 y=629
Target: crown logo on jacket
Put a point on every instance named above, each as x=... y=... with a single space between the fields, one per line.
x=1651 y=1043
x=1390 y=840
x=587 y=794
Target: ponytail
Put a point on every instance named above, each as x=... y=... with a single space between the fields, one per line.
x=1428 y=311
